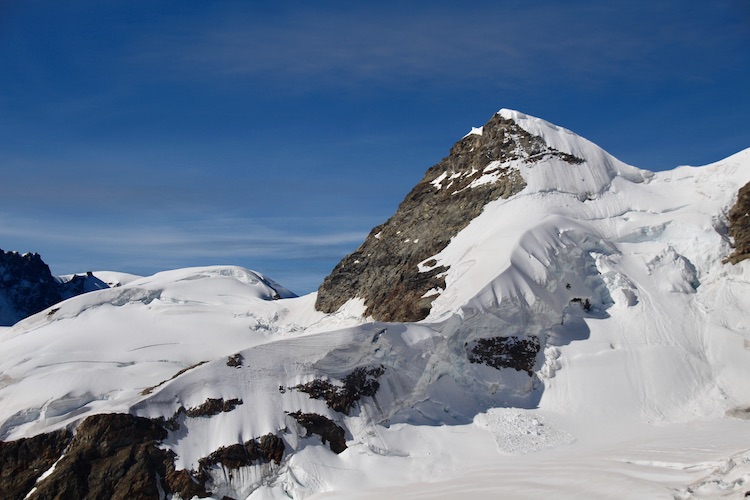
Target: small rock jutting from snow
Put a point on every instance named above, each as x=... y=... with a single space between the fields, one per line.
x=324 y=427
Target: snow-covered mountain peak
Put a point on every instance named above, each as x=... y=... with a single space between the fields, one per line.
x=223 y=287
x=252 y=283
x=399 y=270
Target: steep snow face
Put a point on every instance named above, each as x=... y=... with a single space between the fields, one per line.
x=587 y=179
x=604 y=199
x=647 y=257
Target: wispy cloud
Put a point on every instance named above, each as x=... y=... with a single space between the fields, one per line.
x=397 y=45
x=215 y=237
x=303 y=249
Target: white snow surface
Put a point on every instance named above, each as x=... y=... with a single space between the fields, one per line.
x=638 y=392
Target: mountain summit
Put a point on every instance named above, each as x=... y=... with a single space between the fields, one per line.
x=395 y=271
x=538 y=319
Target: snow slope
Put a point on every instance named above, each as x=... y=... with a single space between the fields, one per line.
x=638 y=390
x=98 y=351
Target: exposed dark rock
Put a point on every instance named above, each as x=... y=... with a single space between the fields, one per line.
x=324 y=427
x=505 y=352
x=584 y=303
x=27 y=286
x=272 y=448
x=213 y=407
x=209 y=408
x=24 y=460
x=82 y=283
x=182 y=482
x=235 y=361
x=738 y=222
x=739 y=412
x=269 y=448
x=116 y=456
x=384 y=269
x=359 y=383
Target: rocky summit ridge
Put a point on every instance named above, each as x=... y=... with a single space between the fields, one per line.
x=393 y=271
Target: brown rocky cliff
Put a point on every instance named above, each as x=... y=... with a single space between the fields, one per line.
x=117 y=456
x=738 y=222
x=22 y=462
x=112 y=456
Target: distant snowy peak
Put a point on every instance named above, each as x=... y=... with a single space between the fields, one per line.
x=247 y=283
x=394 y=271
x=27 y=286
x=111 y=278
x=216 y=286
x=76 y=284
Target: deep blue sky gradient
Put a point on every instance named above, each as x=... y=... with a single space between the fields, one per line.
x=146 y=135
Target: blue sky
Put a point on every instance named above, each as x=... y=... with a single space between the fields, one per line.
x=147 y=135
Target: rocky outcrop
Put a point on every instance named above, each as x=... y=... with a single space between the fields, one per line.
x=385 y=270
x=235 y=361
x=116 y=456
x=27 y=286
x=268 y=448
x=359 y=383
x=505 y=352
x=738 y=222
x=211 y=407
x=25 y=460
x=324 y=427
x=82 y=283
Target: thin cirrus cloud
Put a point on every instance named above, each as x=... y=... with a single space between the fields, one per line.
x=575 y=42
x=144 y=247
x=207 y=237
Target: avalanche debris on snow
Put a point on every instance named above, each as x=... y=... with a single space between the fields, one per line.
x=521 y=431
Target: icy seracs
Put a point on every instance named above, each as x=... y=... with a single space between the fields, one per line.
x=588 y=338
